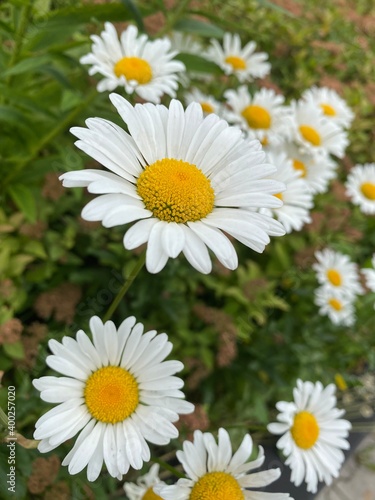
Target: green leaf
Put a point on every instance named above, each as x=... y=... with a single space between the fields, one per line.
x=137 y=16
x=24 y=199
x=199 y=64
x=29 y=64
x=15 y=350
x=195 y=27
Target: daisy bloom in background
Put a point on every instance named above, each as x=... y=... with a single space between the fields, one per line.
x=134 y=62
x=208 y=103
x=335 y=271
x=370 y=275
x=182 y=42
x=360 y=187
x=117 y=392
x=339 y=309
x=297 y=197
x=214 y=473
x=333 y=106
x=262 y=116
x=183 y=177
x=313 y=434
x=143 y=490
x=314 y=134
x=233 y=59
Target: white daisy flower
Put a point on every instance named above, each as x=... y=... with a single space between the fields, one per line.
x=339 y=309
x=297 y=198
x=370 y=275
x=134 y=62
x=183 y=177
x=315 y=134
x=336 y=272
x=317 y=171
x=234 y=59
x=333 y=106
x=182 y=42
x=263 y=116
x=144 y=489
x=208 y=103
x=117 y=391
x=360 y=186
x=313 y=434
x=213 y=473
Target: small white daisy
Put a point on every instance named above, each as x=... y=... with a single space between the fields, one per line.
x=182 y=42
x=134 y=62
x=313 y=434
x=339 y=309
x=117 y=392
x=214 y=473
x=360 y=186
x=144 y=489
x=183 y=177
x=263 y=116
x=335 y=271
x=234 y=59
x=208 y=103
x=370 y=275
x=333 y=106
x=297 y=198
x=314 y=133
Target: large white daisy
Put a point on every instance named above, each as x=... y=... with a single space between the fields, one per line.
x=313 y=434
x=183 y=177
x=134 y=62
x=333 y=106
x=116 y=391
x=338 y=308
x=234 y=59
x=336 y=272
x=263 y=115
x=297 y=197
x=214 y=473
x=144 y=489
x=360 y=186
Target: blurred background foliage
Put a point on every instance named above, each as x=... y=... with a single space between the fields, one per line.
x=244 y=336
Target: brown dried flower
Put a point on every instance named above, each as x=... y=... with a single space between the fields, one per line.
x=198 y=420
x=44 y=472
x=10 y=331
x=227 y=348
x=59 y=302
x=58 y=491
x=35 y=231
x=52 y=187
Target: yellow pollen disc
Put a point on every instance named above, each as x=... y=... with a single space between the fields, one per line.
x=133 y=68
x=236 y=62
x=150 y=495
x=299 y=165
x=334 y=277
x=279 y=195
x=310 y=135
x=368 y=190
x=335 y=304
x=217 y=486
x=176 y=191
x=328 y=110
x=111 y=394
x=257 y=117
x=207 y=107
x=305 y=430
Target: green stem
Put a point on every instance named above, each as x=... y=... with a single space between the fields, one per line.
x=3 y=419
x=19 y=37
x=133 y=274
x=165 y=465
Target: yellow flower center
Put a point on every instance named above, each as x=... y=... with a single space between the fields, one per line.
x=133 y=68
x=207 y=107
x=335 y=304
x=217 y=486
x=305 y=430
x=299 y=165
x=328 y=110
x=111 y=394
x=334 y=277
x=236 y=62
x=257 y=117
x=176 y=191
x=368 y=190
x=279 y=195
x=151 y=495
x=310 y=135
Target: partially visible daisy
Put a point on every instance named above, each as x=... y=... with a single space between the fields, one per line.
x=234 y=59
x=134 y=62
x=117 y=392
x=214 y=473
x=182 y=42
x=297 y=197
x=336 y=272
x=360 y=186
x=370 y=275
x=182 y=178
x=207 y=102
x=333 y=106
x=144 y=489
x=339 y=309
x=263 y=116
x=314 y=134
x=313 y=434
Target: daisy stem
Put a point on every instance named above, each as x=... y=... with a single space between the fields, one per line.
x=129 y=280
x=172 y=469
x=3 y=419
